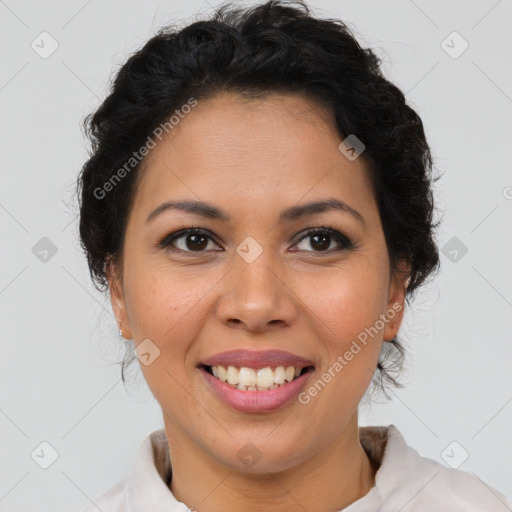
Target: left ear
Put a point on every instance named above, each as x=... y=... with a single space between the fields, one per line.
x=117 y=300
x=396 y=302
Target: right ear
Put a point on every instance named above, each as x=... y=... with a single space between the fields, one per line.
x=117 y=299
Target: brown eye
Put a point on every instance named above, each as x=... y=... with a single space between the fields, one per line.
x=190 y=240
x=321 y=239
x=195 y=242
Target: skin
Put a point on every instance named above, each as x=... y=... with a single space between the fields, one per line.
x=253 y=159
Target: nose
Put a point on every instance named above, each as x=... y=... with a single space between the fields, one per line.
x=256 y=297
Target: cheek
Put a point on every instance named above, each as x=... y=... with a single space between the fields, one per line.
x=157 y=298
x=347 y=301
x=345 y=319
x=165 y=312
x=346 y=308
x=157 y=308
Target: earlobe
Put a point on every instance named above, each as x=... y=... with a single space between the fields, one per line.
x=117 y=302
x=396 y=304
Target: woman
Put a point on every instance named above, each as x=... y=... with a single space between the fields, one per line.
x=258 y=204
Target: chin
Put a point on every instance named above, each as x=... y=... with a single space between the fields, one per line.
x=258 y=456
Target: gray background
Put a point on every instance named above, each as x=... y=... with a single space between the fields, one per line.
x=58 y=340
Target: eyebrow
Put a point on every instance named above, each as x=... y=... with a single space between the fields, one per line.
x=293 y=213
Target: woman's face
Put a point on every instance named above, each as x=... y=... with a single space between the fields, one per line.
x=256 y=281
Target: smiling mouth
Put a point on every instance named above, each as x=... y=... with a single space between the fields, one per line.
x=261 y=379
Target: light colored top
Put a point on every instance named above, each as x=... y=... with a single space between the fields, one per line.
x=405 y=481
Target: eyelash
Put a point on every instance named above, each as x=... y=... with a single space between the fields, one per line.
x=322 y=230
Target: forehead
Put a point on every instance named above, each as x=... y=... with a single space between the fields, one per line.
x=253 y=153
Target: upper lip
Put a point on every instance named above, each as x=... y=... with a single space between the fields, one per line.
x=257 y=359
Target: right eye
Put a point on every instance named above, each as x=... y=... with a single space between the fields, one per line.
x=192 y=240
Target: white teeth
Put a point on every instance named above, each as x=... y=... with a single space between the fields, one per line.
x=247 y=376
x=223 y=374
x=279 y=375
x=232 y=375
x=265 y=377
x=249 y=379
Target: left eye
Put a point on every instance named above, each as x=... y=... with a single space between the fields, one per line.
x=196 y=239
x=323 y=237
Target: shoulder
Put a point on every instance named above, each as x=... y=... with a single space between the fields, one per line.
x=410 y=482
x=146 y=485
x=111 y=501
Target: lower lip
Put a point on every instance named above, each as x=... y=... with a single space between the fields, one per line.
x=256 y=401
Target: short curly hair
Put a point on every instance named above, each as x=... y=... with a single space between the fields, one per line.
x=271 y=47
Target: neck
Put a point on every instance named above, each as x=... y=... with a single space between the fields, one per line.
x=330 y=480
